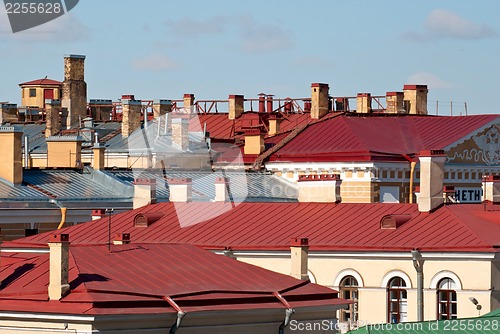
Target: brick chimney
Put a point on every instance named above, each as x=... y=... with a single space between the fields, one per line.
x=161 y=107
x=364 y=103
x=274 y=123
x=99 y=161
x=131 y=116
x=121 y=239
x=11 y=164
x=319 y=188
x=59 y=266
x=431 y=180
x=491 y=188
x=52 y=118
x=222 y=189
x=144 y=192
x=8 y=113
x=180 y=133
x=236 y=106
x=299 y=249
x=319 y=100
x=64 y=151
x=189 y=103
x=415 y=99
x=254 y=141
x=74 y=89
x=181 y=189
x=101 y=109
x=394 y=102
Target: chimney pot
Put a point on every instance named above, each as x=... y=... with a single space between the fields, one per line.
x=181 y=189
x=144 y=192
x=221 y=189
x=59 y=266
x=299 y=250
x=432 y=164
x=491 y=188
x=319 y=100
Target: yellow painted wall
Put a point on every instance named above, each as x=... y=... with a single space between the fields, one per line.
x=38 y=100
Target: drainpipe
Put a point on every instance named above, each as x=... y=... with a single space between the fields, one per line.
x=418 y=263
x=180 y=314
x=413 y=164
x=63 y=212
x=288 y=312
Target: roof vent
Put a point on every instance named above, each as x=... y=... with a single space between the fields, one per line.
x=392 y=222
x=146 y=219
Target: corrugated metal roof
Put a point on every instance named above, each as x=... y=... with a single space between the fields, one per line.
x=195 y=279
x=10 y=192
x=463 y=227
x=70 y=185
x=243 y=186
x=223 y=128
x=369 y=136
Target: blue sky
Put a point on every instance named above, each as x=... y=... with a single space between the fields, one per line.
x=163 y=49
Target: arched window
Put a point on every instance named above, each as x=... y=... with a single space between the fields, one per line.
x=446 y=299
x=397 y=303
x=349 y=290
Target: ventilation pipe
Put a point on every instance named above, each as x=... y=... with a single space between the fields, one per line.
x=26 y=152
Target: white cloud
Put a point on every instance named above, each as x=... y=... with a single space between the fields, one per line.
x=155 y=62
x=429 y=79
x=265 y=38
x=446 y=24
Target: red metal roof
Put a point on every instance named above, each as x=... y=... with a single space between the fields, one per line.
x=368 y=138
x=223 y=128
x=250 y=225
x=140 y=278
x=41 y=82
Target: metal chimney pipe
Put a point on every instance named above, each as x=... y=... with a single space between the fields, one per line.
x=26 y=152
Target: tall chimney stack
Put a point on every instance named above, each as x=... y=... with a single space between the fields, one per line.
x=59 y=266
x=181 y=189
x=274 y=123
x=394 y=102
x=52 y=120
x=144 y=192
x=431 y=180
x=74 y=89
x=189 y=103
x=319 y=188
x=131 y=116
x=161 y=107
x=319 y=100
x=11 y=165
x=236 y=106
x=254 y=141
x=491 y=188
x=299 y=250
x=364 y=103
x=180 y=133
x=415 y=99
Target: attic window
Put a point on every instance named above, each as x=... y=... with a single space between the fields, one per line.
x=146 y=219
x=392 y=222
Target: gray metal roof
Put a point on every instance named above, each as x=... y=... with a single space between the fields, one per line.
x=243 y=186
x=10 y=192
x=70 y=185
x=143 y=139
